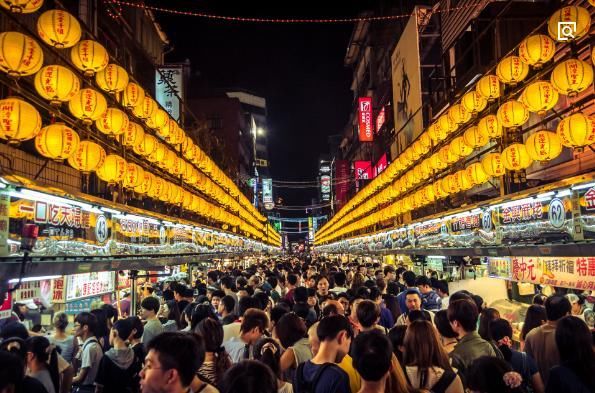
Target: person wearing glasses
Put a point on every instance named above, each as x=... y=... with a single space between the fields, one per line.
x=85 y=325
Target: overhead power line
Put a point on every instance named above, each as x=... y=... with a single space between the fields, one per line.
x=244 y=19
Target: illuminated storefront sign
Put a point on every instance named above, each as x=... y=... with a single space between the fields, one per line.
x=381 y=165
x=88 y=284
x=168 y=87
x=325 y=187
x=363 y=170
x=566 y=272
x=267 y=190
x=366 y=133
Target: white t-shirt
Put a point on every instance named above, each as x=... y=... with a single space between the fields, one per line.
x=231 y=330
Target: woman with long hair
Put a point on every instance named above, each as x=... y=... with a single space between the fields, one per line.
x=426 y=363
x=487 y=315
x=67 y=344
x=268 y=351
x=172 y=316
x=217 y=361
x=200 y=312
x=102 y=332
x=534 y=317
x=39 y=352
x=448 y=337
x=357 y=282
x=576 y=372
x=292 y=333
x=501 y=333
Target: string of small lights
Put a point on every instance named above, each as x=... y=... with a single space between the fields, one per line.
x=243 y=19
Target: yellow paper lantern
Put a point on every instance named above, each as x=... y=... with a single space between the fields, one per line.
x=492 y=164
x=446 y=124
x=488 y=87
x=426 y=168
x=512 y=70
x=458 y=114
x=165 y=191
x=419 y=149
x=58 y=28
x=113 y=169
x=593 y=55
x=465 y=183
x=515 y=157
x=439 y=191
x=20 y=55
x=425 y=142
x=437 y=133
x=572 y=77
x=158 y=155
x=459 y=148
x=89 y=56
x=145 y=184
x=569 y=23
x=447 y=155
x=476 y=173
x=19 y=120
x=189 y=149
x=134 y=176
x=537 y=49
x=178 y=137
x=513 y=114
x=474 y=102
x=157 y=187
x=428 y=194
x=490 y=125
x=168 y=161
x=147 y=146
x=87 y=105
x=576 y=130
x=476 y=137
x=437 y=162
x=87 y=157
x=133 y=135
x=451 y=182
x=22 y=6
x=112 y=79
x=158 y=119
x=187 y=200
x=57 y=141
x=113 y=122
x=132 y=95
x=170 y=128
x=56 y=84
x=544 y=145
x=145 y=109
x=540 y=97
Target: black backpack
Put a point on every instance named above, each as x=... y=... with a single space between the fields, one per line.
x=303 y=386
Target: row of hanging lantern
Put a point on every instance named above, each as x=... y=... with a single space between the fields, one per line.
x=58 y=84
x=570 y=78
x=22 y=56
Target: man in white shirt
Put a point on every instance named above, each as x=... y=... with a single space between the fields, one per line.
x=253 y=326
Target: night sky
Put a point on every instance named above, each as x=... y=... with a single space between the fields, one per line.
x=297 y=68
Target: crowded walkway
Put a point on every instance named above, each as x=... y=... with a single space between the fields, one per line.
x=303 y=325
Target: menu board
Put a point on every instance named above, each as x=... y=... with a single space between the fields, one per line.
x=6 y=306
x=28 y=290
x=566 y=272
x=88 y=284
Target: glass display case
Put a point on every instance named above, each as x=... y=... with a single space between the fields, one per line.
x=514 y=312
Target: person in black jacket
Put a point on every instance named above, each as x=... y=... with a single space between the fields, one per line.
x=119 y=366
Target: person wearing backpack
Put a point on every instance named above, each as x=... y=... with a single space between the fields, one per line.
x=85 y=325
x=501 y=333
x=426 y=363
x=321 y=374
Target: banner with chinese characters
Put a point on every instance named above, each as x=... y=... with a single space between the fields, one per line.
x=88 y=284
x=58 y=290
x=587 y=211
x=536 y=219
x=30 y=290
x=363 y=170
x=565 y=272
x=169 y=88
x=64 y=229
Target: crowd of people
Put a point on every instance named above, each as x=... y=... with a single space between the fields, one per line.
x=309 y=325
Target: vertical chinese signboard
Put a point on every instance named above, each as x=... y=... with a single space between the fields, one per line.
x=325 y=187
x=366 y=133
x=381 y=165
x=169 y=88
x=267 y=190
x=380 y=119
x=341 y=182
x=4 y=219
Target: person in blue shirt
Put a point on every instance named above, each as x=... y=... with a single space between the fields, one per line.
x=430 y=300
x=409 y=278
x=322 y=374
